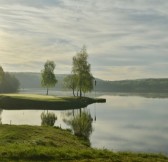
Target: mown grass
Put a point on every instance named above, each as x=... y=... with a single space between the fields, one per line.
x=36 y=143
x=36 y=97
x=32 y=101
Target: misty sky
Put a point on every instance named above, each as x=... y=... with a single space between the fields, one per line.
x=125 y=39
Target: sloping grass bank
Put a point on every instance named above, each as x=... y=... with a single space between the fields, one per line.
x=36 y=143
x=32 y=101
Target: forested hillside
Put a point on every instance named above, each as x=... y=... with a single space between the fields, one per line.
x=139 y=85
x=33 y=80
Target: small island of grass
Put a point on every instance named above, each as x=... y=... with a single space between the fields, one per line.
x=43 y=102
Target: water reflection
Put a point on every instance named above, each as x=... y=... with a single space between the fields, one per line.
x=48 y=118
x=80 y=122
x=123 y=123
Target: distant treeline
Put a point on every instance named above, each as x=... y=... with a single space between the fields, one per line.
x=139 y=85
x=9 y=83
x=32 y=80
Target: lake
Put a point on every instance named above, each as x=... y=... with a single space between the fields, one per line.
x=123 y=123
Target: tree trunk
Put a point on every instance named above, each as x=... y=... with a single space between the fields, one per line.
x=80 y=92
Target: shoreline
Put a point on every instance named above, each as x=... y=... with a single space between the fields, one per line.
x=42 y=143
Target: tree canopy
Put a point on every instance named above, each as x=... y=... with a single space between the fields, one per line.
x=1 y=74
x=8 y=82
x=70 y=82
x=48 y=76
x=81 y=69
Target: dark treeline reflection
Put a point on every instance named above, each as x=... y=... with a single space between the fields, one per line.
x=80 y=122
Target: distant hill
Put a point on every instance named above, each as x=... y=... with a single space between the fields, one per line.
x=138 y=85
x=33 y=80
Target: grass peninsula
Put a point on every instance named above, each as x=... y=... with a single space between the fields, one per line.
x=40 y=143
x=44 y=102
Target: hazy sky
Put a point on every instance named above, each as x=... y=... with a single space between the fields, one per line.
x=125 y=39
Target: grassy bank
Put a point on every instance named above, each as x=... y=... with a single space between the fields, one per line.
x=32 y=101
x=35 y=143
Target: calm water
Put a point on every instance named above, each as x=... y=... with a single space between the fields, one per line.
x=123 y=123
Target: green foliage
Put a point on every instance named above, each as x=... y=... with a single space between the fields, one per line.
x=81 y=69
x=9 y=83
x=81 y=124
x=70 y=82
x=1 y=74
x=87 y=83
x=48 y=76
x=48 y=119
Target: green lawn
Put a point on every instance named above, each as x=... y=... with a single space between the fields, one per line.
x=36 y=143
x=37 y=97
x=33 y=101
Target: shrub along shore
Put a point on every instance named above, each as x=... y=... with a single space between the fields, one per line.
x=41 y=143
x=42 y=102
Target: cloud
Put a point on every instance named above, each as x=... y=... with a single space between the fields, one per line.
x=37 y=3
x=121 y=35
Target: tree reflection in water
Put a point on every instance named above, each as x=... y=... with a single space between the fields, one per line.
x=80 y=123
